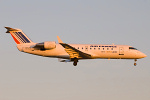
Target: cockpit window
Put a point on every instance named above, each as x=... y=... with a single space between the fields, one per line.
x=132 y=48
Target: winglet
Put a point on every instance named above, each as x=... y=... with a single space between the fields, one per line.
x=59 y=40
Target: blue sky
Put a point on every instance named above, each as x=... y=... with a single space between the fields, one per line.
x=24 y=76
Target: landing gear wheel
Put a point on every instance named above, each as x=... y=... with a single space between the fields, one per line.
x=135 y=64
x=75 y=62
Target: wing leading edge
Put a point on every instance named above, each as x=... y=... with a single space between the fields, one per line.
x=73 y=52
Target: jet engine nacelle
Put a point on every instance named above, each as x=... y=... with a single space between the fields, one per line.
x=45 y=45
x=49 y=45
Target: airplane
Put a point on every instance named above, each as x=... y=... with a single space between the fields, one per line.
x=73 y=52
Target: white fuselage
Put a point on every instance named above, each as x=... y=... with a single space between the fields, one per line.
x=73 y=52
x=97 y=51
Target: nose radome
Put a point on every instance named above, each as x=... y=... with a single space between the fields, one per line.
x=143 y=55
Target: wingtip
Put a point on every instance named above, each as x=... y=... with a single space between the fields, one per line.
x=59 y=40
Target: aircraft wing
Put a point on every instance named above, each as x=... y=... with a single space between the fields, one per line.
x=75 y=53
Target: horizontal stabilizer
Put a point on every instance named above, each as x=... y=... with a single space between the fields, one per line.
x=10 y=29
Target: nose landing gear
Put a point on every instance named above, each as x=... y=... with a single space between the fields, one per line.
x=135 y=62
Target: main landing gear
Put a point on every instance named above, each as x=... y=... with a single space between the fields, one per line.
x=75 y=61
x=135 y=62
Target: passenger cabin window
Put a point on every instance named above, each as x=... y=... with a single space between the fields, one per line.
x=132 y=48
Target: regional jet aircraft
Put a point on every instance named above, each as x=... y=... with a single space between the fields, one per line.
x=73 y=52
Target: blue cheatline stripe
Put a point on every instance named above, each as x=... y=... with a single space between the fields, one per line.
x=15 y=33
x=24 y=37
x=20 y=37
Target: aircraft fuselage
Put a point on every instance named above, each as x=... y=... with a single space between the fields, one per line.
x=97 y=51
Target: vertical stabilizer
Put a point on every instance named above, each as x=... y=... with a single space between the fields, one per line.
x=18 y=35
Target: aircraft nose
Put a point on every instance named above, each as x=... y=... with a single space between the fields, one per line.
x=143 y=55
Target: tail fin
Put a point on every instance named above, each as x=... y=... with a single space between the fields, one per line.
x=18 y=35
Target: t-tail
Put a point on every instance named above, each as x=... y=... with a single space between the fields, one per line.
x=18 y=35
